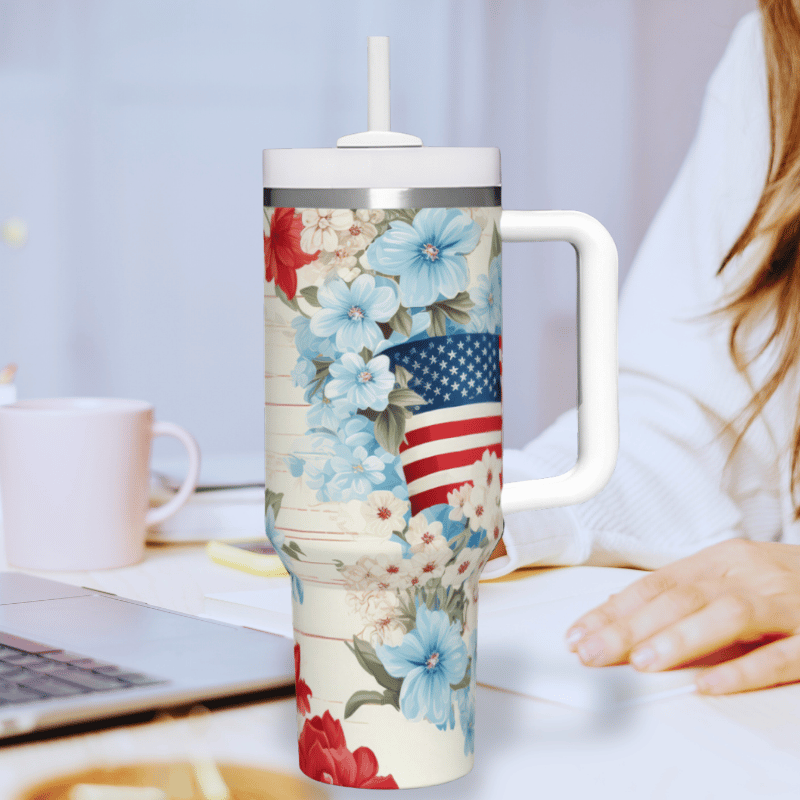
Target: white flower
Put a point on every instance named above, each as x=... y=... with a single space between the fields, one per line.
x=373 y=215
x=348 y=274
x=457 y=499
x=485 y=554
x=357 y=577
x=342 y=256
x=494 y=524
x=342 y=262
x=358 y=235
x=462 y=568
x=424 y=536
x=427 y=564
x=380 y=572
x=380 y=611
x=487 y=473
x=477 y=509
x=384 y=513
x=471 y=612
x=320 y=228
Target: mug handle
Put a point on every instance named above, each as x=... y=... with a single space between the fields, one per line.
x=598 y=414
x=159 y=514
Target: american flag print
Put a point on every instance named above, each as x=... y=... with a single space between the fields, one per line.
x=459 y=378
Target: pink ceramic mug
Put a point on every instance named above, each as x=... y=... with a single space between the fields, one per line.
x=75 y=474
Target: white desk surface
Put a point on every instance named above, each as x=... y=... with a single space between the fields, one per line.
x=745 y=746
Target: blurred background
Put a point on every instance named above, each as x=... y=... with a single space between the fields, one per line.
x=131 y=259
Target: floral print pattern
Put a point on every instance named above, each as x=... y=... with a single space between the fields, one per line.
x=351 y=313
x=324 y=757
x=302 y=691
x=427 y=255
x=431 y=658
x=283 y=255
x=363 y=285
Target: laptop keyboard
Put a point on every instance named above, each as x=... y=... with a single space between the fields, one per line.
x=31 y=671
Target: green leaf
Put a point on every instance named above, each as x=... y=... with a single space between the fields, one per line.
x=322 y=366
x=401 y=214
x=464 y=682
x=392 y=214
x=292 y=548
x=359 y=699
x=284 y=299
x=461 y=302
x=405 y=397
x=401 y=321
x=366 y=354
x=390 y=428
x=496 y=244
x=273 y=499
x=438 y=321
x=366 y=657
x=408 y=610
x=458 y=316
x=289 y=552
x=310 y=295
x=456 y=308
x=402 y=376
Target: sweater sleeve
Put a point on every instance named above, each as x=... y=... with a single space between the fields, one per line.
x=675 y=488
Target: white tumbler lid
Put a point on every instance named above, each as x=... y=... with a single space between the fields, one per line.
x=381 y=167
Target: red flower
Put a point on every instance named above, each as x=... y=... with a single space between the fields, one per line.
x=324 y=757
x=282 y=253
x=301 y=689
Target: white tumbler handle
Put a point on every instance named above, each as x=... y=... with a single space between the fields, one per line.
x=598 y=415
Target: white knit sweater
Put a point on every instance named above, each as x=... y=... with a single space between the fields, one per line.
x=674 y=490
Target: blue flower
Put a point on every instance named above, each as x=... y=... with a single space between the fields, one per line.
x=427 y=255
x=303 y=372
x=366 y=385
x=430 y=659
x=277 y=539
x=351 y=313
x=487 y=314
x=358 y=432
x=318 y=479
x=450 y=723
x=296 y=465
x=355 y=474
x=310 y=346
x=327 y=413
x=466 y=713
x=466 y=700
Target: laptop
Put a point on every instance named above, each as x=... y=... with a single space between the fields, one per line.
x=70 y=654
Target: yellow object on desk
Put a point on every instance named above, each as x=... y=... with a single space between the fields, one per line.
x=177 y=781
x=255 y=556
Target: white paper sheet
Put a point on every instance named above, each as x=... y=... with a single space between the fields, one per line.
x=521 y=626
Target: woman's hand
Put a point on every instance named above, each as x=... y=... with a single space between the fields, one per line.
x=737 y=592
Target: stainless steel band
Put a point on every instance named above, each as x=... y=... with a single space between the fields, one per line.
x=434 y=197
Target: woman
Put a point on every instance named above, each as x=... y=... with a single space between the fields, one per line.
x=710 y=447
